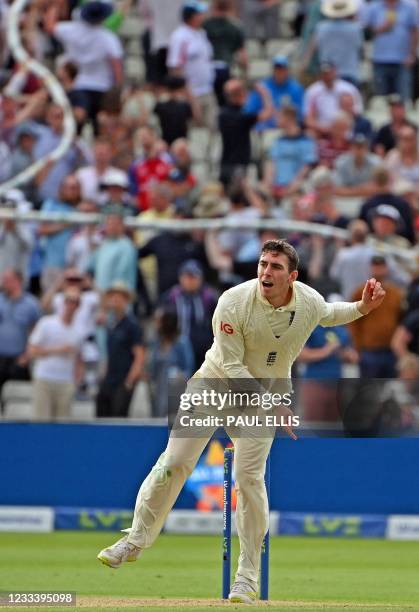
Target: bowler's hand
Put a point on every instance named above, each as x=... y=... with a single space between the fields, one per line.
x=287 y=414
x=372 y=296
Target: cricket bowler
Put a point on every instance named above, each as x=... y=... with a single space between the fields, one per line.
x=260 y=327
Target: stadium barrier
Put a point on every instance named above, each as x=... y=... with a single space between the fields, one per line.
x=410 y=255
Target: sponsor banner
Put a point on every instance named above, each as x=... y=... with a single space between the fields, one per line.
x=178 y=521
x=401 y=527
x=92 y=519
x=206 y=523
x=31 y=519
x=336 y=525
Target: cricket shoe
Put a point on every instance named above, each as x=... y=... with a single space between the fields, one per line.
x=242 y=592
x=120 y=552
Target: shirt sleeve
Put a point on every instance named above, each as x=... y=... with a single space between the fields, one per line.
x=114 y=46
x=136 y=335
x=309 y=153
x=339 y=313
x=37 y=336
x=64 y=32
x=177 y=53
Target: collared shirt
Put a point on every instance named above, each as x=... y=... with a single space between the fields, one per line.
x=325 y=101
x=190 y=50
x=392 y=46
x=279 y=318
x=122 y=338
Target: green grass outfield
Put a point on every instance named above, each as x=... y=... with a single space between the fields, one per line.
x=306 y=573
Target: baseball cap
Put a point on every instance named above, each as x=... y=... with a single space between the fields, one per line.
x=385 y=210
x=191 y=266
x=191 y=7
x=280 y=61
x=27 y=129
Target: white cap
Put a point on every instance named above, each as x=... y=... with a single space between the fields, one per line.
x=114 y=178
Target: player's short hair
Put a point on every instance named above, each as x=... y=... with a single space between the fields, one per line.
x=282 y=247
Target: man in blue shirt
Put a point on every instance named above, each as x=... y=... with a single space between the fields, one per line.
x=57 y=235
x=19 y=312
x=394 y=26
x=291 y=157
x=283 y=89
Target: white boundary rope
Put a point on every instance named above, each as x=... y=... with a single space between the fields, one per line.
x=54 y=88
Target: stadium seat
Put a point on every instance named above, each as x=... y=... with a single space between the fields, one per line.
x=349 y=206
x=199 y=140
x=16 y=399
x=83 y=410
x=253 y=48
x=259 y=69
x=268 y=138
x=134 y=68
x=18 y=411
x=131 y=28
x=140 y=404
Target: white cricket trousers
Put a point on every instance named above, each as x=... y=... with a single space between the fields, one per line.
x=162 y=486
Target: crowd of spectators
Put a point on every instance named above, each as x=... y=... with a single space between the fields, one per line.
x=91 y=309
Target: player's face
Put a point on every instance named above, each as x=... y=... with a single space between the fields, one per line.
x=274 y=275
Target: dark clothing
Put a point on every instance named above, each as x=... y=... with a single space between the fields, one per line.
x=171 y=250
x=235 y=126
x=362 y=125
x=386 y=137
x=113 y=401
x=194 y=311
x=411 y=323
x=173 y=116
x=378 y=363
x=226 y=38
x=367 y=210
x=120 y=341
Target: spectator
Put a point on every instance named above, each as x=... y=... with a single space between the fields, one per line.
x=53 y=301
x=235 y=123
x=386 y=224
x=195 y=303
x=403 y=161
x=55 y=345
x=84 y=241
x=386 y=137
x=373 y=340
x=19 y=311
x=323 y=356
x=384 y=195
x=350 y=267
x=284 y=89
x=322 y=99
x=175 y=112
x=360 y=124
x=170 y=357
x=152 y=166
x=227 y=39
x=354 y=170
x=114 y=191
x=163 y=19
x=125 y=354
x=339 y=39
x=96 y=51
x=393 y=24
x=116 y=257
x=16 y=239
x=181 y=180
x=337 y=142
x=66 y=73
x=261 y=18
x=56 y=236
x=51 y=177
x=171 y=249
x=406 y=336
x=23 y=156
x=292 y=156
x=90 y=177
x=190 y=55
